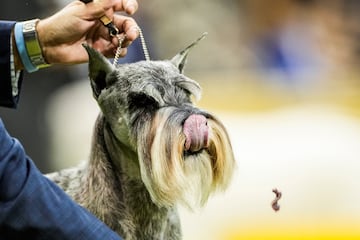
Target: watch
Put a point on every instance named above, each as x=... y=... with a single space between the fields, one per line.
x=32 y=43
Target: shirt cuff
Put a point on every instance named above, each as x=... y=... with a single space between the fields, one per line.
x=21 y=47
x=15 y=75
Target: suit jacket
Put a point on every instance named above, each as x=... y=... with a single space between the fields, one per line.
x=6 y=97
x=31 y=206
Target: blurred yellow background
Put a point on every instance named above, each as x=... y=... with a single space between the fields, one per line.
x=306 y=145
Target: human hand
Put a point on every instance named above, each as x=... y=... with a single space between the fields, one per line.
x=62 y=34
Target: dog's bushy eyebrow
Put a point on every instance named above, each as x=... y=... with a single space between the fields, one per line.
x=155 y=91
x=189 y=86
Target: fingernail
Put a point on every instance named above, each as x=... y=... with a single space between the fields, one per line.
x=133 y=30
x=130 y=7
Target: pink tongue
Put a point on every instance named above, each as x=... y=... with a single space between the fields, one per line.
x=196 y=132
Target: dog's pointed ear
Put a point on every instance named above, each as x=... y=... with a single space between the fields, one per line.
x=99 y=68
x=180 y=59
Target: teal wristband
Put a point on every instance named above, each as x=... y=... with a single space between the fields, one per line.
x=20 y=44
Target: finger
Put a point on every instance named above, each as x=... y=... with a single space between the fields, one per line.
x=124 y=44
x=104 y=47
x=132 y=33
x=123 y=52
x=129 y=6
x=115 y=40
x=111 y=52
x=128 y=26
x=97 y=8
x=99 y=31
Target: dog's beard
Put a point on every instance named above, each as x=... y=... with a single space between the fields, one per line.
x=173 y=175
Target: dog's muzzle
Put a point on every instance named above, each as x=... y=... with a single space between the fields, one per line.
x=196 y=132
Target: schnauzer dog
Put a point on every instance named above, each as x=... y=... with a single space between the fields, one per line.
x=151 y=149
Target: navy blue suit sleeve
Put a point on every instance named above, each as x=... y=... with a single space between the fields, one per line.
x=6 y=97
x=33 y=207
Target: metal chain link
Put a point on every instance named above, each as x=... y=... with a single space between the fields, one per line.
x=121 y=38
x=143 y=45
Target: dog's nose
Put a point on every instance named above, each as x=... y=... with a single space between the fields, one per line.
x=196 y=132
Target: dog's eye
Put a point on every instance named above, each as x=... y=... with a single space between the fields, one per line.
x=141 y=100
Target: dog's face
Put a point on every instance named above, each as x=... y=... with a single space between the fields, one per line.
x=184 y=153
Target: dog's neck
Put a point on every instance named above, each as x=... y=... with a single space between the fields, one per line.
x=113 y=178
x=111 y=164
x=100 y=183
x=122 y=156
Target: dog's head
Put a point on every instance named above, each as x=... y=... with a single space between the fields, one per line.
x=184 y=152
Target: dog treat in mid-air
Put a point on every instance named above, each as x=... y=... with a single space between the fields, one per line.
x=274 y=204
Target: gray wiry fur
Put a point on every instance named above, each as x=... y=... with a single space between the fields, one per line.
x=151 y=149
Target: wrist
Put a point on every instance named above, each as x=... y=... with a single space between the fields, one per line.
x=28 y=46
x=41 y=39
